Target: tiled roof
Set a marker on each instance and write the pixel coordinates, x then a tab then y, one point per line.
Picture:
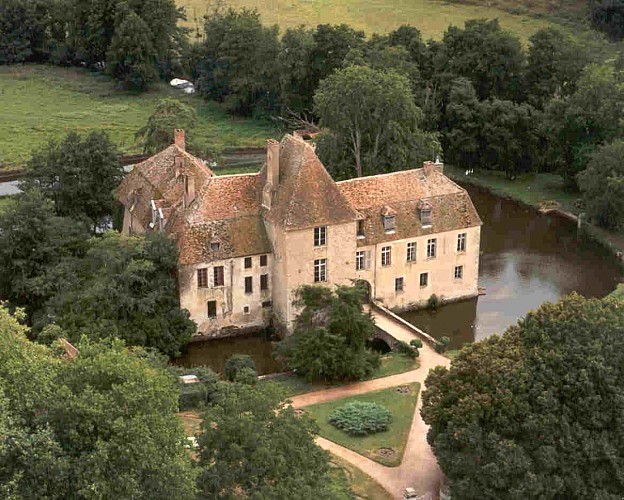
404	193
306	196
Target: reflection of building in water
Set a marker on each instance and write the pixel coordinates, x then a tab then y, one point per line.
247	242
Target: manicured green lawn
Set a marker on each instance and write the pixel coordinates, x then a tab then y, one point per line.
452	353
401	407
391	364
364	486
41	102
372	16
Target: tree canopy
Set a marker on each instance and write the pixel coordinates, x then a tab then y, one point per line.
536	412
169	114
330	335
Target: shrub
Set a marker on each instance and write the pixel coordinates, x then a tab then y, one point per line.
416	343
360	419
246	375
197	394
442	344
236	363
406	349
433	302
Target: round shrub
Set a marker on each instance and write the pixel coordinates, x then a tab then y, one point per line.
416	343
406	349
442	344
235	363
360	419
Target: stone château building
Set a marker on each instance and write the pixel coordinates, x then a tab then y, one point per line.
247	242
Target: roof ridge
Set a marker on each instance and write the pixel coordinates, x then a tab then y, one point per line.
387	174
216	176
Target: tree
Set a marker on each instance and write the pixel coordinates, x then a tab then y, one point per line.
131	57
602	185
487	55
33	240
235	365
23	30
79	175
373	116
330	335
575	126
296	86
102	425
253	445
555	63
536	412
237	63
169	114
124	287
608	16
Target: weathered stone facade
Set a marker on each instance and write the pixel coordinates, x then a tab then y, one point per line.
248	242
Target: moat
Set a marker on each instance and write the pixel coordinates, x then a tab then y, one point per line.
526	258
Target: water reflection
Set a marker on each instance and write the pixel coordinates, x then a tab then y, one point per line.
526	259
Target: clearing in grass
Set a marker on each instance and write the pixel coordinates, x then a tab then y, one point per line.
384	447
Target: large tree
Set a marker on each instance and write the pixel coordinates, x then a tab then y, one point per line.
123	287
608	16
79	174
99	426
331	335
602	185
169	114
24	30
374	120
536	412
253	445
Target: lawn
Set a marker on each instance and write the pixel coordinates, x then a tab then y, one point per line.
372	16
362	485
618	293
401	407
4	202
391	364
41	102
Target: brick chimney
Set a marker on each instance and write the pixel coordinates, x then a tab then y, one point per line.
179	138
272	169
429	167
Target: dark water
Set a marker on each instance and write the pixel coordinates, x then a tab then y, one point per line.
214	353
526	258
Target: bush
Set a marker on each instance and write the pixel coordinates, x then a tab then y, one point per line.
360	419
442	344
406	349
235	364
246	375
433	302
416	343
197	394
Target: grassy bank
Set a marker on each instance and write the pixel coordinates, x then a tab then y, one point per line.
362	485
40	103
391	364
401	407
372	16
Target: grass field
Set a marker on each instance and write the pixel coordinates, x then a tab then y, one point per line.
364	486
391	364
401	407
39	103
372	16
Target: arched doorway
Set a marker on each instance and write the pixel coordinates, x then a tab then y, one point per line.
366	287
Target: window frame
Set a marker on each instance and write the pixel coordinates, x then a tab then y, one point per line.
320	270
411	251
360	229
247	262
461	273
215	246
264	282
399	280
248	285
462	242
426	280
208	303
432	248
218	272
320	236
389	223
264	260
386	256
360	260
202	277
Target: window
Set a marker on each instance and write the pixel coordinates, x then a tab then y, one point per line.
359	261
320	270
214	246
431	248
219	276
389	222
386	256
202	278
263	260
461	242
246	310
248	284
360	229
459	272
424	279
320	236
399	284
248	262
266	303
411	251
212	308
264	282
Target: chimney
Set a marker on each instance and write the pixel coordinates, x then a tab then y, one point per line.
189	190
428	168
179	139
273	148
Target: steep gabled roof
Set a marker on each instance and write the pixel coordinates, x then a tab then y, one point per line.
306	195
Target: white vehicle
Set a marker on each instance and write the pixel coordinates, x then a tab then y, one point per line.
183	85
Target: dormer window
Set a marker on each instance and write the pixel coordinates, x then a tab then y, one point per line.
215	246
388	216
425	210
360	228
